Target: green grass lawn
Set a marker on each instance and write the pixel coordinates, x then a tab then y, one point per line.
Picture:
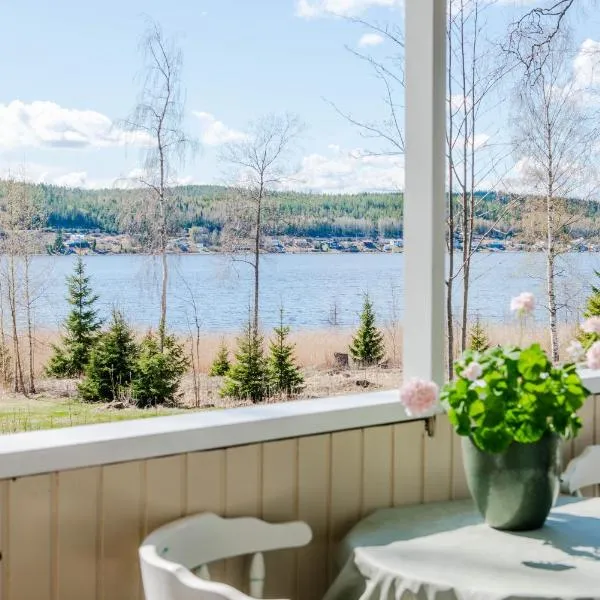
34	414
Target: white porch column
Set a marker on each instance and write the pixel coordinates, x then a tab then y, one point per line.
424	201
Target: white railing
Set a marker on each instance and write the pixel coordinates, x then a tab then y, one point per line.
52	450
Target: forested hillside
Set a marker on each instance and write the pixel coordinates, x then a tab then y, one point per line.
290	213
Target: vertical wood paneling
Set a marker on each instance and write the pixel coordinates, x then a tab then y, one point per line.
122	517
31	552
346	485
242	499
408	463
75	535
77	543
378	473
4	554
165	493
437	484
206	491
279	504
313	507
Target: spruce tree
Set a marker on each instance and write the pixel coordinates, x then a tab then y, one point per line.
592	309
478	338
157	374
81	327
112	363
285	376
221	365
367	347
248	376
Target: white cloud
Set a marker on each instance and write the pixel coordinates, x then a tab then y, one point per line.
348	172
215	132
46	124
586	65
74	179
370	39
310	9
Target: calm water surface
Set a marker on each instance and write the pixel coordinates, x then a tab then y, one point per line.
306	285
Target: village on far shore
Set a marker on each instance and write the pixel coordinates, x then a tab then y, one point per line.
194	241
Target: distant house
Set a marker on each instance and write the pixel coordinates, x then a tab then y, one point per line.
77	241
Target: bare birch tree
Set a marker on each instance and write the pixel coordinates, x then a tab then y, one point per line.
157	122
260	161
474	77
555	137
20	217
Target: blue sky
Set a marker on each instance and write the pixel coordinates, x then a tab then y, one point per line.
71	66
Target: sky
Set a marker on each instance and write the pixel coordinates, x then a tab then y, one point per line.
70	71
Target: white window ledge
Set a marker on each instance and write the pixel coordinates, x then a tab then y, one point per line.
51	450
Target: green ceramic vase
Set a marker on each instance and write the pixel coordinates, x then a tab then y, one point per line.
516	489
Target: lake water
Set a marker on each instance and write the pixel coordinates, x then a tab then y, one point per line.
306	285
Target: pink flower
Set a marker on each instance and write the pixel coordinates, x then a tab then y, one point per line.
523	304
593	356
591	325
472	371
418	396
576	351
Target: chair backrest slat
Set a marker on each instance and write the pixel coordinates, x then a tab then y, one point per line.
170	554
582	471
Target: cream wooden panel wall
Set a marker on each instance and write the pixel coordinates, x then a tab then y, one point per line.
74	535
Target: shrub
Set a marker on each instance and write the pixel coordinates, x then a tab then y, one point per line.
111	365
221	364
367	347
81	328
478	338
284	374
157	374
248	376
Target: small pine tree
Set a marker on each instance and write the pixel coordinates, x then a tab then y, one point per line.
478	338
112	363
58	246
248	377
157	374
285	376
221	364
367	347
592	309
81	327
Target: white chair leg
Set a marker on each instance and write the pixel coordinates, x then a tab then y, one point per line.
204	573
257	575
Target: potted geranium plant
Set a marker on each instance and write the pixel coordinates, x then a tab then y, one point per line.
512	406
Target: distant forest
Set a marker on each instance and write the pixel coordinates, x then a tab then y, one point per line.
290	213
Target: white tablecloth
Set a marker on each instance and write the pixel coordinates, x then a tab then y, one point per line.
443	551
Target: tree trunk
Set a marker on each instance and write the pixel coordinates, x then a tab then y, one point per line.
19	385
30	340
257	237
550	282
162	328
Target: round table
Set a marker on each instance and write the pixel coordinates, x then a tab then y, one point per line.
443	551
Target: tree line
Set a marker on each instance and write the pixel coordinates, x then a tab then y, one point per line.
204	211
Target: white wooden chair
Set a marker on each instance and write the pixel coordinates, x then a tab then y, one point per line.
582	471
171	555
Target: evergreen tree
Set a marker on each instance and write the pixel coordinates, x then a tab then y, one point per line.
157	374
367	347
284	374
478	338
81	327
58	246
112	363
592	309
221	364
248	377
